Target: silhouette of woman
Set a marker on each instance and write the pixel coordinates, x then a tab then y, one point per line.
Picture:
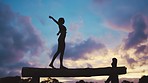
61	41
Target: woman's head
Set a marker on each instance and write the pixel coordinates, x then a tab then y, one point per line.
61	21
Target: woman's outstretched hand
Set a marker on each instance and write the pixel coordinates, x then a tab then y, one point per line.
51	17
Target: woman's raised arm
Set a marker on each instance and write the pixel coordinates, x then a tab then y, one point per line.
53	19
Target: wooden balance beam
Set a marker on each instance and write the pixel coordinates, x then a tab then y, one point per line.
79	72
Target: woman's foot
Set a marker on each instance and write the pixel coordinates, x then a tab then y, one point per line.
62	67
51	65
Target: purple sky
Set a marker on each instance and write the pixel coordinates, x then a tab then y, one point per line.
98	30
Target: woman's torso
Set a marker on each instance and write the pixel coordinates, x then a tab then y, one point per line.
62	32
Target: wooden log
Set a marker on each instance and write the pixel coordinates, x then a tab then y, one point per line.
79	72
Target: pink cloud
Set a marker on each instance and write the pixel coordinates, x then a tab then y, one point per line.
126	28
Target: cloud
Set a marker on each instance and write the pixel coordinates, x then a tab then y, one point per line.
131	61
74	30
142	49
78	51
18	37
137	41
13	69
138	35
118	14
132	17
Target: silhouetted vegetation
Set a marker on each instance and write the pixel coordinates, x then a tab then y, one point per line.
143	79
82	81
125	81
18	79
50	80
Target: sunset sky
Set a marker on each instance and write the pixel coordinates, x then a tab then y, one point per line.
97	31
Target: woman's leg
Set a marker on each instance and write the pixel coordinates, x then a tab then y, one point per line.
54	57
62	54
